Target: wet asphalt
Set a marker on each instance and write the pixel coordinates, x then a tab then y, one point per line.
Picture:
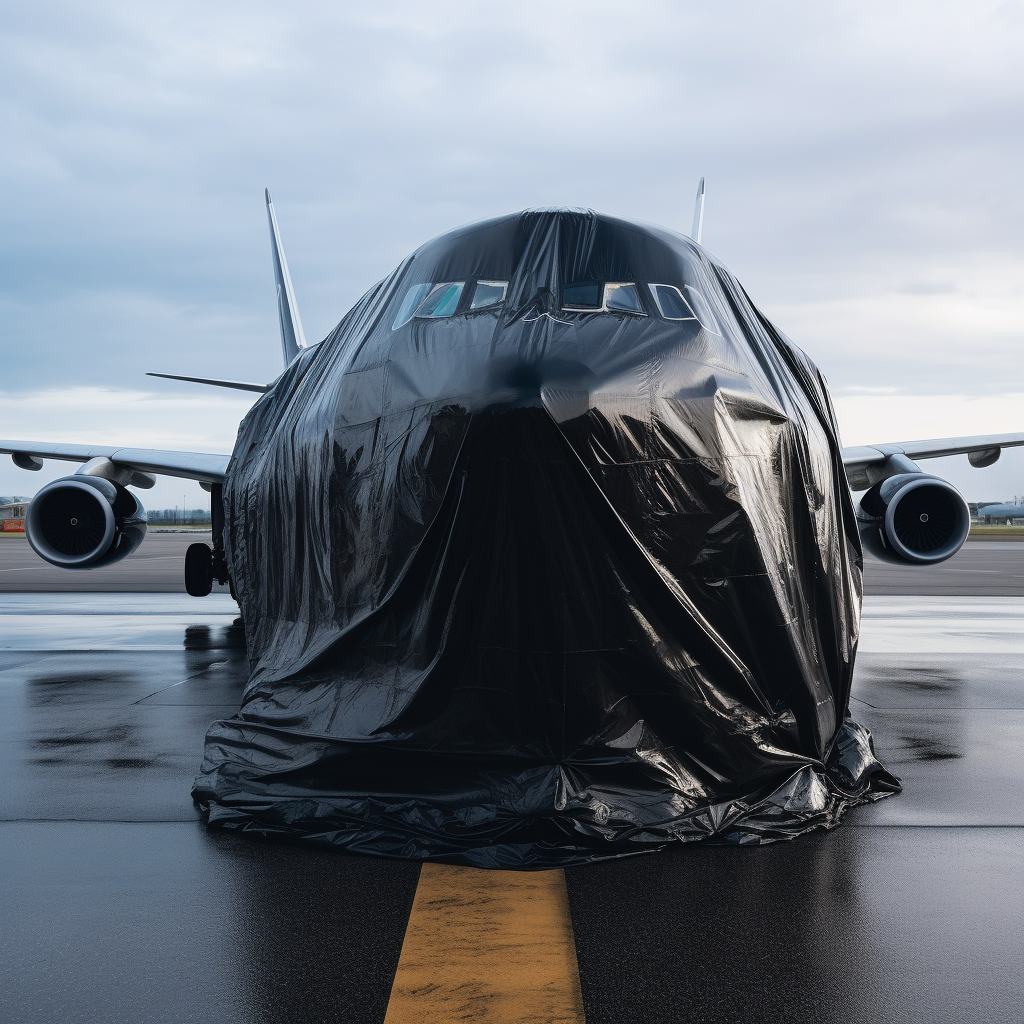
119	906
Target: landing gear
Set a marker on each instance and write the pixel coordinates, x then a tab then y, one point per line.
219	566
204	565
198	570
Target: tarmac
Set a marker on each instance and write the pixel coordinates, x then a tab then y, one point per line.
980	568
119	906
156	567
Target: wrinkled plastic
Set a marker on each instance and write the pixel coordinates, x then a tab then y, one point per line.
526	586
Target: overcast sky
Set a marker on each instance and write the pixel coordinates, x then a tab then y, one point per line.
864	165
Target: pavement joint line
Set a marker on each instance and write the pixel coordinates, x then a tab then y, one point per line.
849	823
935	707
235	705
100	821
180	682
99	649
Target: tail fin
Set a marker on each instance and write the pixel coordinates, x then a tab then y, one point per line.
292	338
698	213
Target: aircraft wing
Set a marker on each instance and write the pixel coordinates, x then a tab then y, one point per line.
208	468
984	447
205	468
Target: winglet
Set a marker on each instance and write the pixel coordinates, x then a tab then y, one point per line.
292	338
698	214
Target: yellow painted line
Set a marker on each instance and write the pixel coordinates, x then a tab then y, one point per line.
487	946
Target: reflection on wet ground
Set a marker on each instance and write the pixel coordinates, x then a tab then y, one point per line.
925	680
105	699
855	925
119	906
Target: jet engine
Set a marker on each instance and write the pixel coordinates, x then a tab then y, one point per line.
913	517
83	522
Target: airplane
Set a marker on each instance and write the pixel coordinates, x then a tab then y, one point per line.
91	519
546	554
1001	510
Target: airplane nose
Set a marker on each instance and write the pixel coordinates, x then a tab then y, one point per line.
562	386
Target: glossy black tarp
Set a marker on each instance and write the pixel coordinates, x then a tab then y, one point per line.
553	563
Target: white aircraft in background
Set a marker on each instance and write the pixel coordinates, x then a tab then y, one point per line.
91	519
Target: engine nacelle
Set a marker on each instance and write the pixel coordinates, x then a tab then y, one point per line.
83	522
913	518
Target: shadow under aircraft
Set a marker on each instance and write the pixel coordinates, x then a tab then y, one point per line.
547	553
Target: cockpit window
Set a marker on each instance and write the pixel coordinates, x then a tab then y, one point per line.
670	302
702	308
598	297
622	296
685	304
488	293
582	295
431	301
413	297
441	300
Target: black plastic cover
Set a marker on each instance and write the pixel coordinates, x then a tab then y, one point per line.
526	585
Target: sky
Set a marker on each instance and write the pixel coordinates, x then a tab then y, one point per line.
864	168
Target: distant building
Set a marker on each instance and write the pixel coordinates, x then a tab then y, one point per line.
12	515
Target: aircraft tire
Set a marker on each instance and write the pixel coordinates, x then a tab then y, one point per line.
198	570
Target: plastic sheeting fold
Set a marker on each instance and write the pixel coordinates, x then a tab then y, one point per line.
527	584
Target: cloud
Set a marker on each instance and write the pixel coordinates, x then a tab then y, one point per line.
879	417
863	167
198	421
